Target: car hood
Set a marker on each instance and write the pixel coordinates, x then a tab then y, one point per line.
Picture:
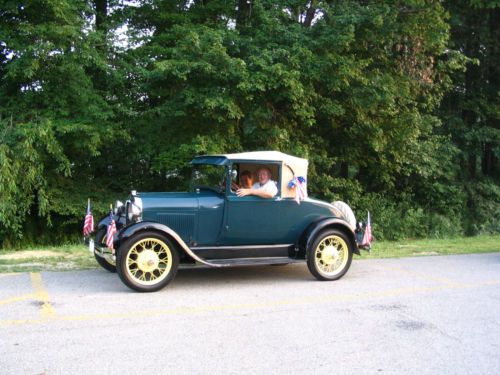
176	201
180	211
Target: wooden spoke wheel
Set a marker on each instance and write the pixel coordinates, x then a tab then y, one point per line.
147	262
330	255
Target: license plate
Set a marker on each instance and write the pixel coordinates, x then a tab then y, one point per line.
91	246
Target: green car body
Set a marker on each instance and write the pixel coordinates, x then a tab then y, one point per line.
213	226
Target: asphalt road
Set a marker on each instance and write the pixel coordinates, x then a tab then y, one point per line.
429	315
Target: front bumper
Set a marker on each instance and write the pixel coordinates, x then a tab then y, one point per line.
103	252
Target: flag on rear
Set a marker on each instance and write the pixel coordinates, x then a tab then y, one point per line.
367	237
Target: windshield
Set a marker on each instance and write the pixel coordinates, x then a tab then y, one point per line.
208	176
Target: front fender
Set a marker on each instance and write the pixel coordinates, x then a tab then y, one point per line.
105	221
141	226
332	222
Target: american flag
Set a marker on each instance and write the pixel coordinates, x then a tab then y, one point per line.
367	237
88	224
111	232
299	184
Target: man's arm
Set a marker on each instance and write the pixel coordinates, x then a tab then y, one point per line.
258	192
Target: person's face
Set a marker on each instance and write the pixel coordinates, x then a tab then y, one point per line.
246	181
263	176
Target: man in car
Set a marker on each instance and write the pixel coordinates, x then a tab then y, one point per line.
265	188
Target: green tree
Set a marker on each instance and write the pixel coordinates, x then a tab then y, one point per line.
471	110
54	120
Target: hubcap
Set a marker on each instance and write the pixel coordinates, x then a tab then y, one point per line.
331	255
149	261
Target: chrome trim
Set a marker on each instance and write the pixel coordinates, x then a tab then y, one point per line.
243	247
186	248
104	254
134	209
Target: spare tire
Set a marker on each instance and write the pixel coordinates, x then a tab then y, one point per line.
345	212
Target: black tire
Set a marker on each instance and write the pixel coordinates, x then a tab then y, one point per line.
101	242
330	255
147	262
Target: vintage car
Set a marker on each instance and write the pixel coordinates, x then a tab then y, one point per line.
212	226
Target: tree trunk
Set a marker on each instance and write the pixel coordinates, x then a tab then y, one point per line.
243	15
490	164
101	26
101	15
344	170
311	12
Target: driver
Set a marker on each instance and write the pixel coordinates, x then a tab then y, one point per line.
265	188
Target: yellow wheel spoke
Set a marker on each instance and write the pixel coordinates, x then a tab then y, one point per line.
152	257
331	255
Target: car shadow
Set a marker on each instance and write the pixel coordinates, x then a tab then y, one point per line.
243	275
102	281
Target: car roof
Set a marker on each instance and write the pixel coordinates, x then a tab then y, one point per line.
292	165
255	156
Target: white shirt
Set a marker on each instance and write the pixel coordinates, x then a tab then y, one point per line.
269	187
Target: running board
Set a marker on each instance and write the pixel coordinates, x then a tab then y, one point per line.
242	262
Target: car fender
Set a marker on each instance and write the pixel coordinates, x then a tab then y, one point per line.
332	222
106	220
141	226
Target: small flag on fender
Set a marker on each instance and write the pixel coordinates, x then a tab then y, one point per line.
367	237
111	232
88	224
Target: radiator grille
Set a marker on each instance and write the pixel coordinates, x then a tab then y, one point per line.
183	224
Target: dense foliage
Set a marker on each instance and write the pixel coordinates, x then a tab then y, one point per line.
395	104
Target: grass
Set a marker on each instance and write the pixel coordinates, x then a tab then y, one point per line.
77	257
50	258
459	245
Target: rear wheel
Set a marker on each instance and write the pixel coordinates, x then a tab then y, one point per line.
330	255
147	262
100	240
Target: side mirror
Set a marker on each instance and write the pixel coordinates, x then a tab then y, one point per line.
234	174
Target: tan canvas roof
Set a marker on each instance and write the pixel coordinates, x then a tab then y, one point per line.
292	165
292	161
295	164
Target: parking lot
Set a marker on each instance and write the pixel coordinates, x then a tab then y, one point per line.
428	315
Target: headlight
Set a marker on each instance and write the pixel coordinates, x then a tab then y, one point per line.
134	209
118	207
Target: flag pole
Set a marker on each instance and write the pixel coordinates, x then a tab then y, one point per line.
370	224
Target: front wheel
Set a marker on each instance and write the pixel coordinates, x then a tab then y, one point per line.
147	262
330	255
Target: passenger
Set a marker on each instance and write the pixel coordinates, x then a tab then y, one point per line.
265	188
246	180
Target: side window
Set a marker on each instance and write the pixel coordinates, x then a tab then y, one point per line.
255	176
242	176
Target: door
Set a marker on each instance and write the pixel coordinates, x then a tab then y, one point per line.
252	220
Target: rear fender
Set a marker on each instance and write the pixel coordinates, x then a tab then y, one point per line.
315	228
